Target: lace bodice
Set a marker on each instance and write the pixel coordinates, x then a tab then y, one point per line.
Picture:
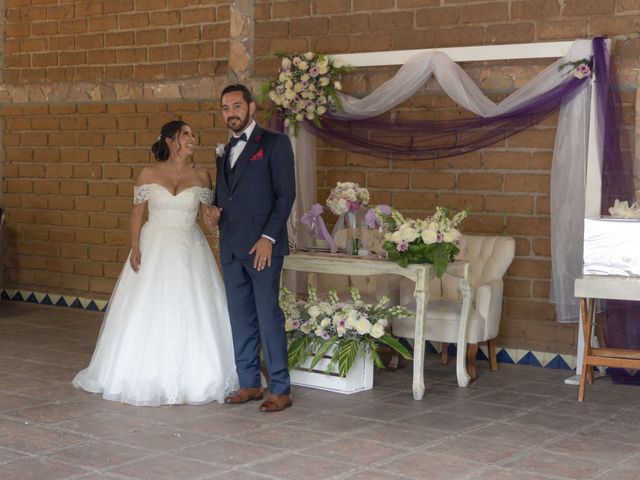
168	209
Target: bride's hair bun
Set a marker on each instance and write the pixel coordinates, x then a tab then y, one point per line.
160	148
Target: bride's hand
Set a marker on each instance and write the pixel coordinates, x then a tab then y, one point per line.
212	216
134	258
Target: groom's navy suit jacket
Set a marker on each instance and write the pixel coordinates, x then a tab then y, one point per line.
257	196
256	199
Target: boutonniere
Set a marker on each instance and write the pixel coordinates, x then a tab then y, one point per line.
258	155
258	138
220	149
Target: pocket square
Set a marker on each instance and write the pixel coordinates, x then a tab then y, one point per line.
257	156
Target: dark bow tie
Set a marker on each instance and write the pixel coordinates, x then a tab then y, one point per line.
235	140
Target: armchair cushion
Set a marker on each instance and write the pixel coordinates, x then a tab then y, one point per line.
442	321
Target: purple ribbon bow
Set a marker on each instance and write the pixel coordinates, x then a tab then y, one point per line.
314	219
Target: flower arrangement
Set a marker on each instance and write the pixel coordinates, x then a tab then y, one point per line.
431	240
580	68
307	87
347	197
316	325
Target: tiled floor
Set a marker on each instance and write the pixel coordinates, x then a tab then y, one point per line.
519	423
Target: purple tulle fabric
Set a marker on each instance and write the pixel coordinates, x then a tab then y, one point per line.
622	328
429	139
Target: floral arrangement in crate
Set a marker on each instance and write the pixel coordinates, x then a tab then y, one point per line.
306	87
318	326
431	240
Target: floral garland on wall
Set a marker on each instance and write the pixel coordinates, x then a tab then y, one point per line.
306	87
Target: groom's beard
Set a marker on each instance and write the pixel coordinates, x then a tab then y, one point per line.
240	126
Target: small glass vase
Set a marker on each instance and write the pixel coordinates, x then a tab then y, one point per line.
353	235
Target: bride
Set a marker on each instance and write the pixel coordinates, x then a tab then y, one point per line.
166	336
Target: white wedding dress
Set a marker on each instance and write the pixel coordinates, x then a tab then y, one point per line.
166	336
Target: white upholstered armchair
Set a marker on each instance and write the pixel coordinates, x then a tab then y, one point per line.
489	258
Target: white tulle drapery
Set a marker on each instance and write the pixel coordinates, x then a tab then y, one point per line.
569	158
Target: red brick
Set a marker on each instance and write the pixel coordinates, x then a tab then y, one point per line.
309	26
414	200
391	21
588	7
528	226
372	4
433	180
509	203
526	183
293	8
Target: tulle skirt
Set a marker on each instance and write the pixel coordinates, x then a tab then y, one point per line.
166	336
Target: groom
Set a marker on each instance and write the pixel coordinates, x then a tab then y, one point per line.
255	190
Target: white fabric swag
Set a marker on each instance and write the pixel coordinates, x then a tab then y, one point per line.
568	173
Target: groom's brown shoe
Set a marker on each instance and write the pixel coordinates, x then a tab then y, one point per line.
275	403
244	395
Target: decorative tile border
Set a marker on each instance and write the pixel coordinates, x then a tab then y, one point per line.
52	299
515	356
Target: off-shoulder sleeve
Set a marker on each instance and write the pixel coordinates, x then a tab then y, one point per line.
141	194
206	196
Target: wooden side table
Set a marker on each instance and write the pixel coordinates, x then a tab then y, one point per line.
420	275
588	288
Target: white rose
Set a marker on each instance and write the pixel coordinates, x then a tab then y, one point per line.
321	110
318	332
299	117
303	65
297	87
322	68
308	55
341	331
338	63
305	78
289	94
343	205
377	330
452	235
288	84
325	322
286	63
306	328
395	237
429	236
337	85
363	326
324	81
407	233
313	311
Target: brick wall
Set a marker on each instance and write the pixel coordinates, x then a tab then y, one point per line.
62	41
69	174
506	186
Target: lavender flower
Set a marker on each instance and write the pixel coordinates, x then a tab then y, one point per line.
403	246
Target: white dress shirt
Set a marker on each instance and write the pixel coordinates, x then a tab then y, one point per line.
235	152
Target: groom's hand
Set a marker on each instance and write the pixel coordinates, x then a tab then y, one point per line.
262	249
